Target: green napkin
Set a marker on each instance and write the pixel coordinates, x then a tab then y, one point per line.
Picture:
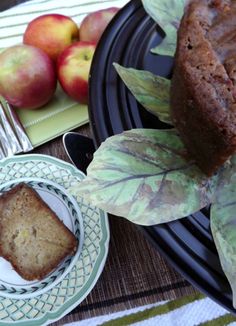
58	116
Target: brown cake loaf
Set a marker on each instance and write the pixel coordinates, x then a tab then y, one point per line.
203	93
32	238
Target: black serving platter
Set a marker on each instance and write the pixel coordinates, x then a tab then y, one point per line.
186	243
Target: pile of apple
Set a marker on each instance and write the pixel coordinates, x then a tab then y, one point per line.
54	49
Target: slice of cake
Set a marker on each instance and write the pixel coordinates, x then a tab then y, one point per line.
32	238
203	92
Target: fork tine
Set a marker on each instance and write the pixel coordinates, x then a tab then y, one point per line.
2	155
13	142
19	129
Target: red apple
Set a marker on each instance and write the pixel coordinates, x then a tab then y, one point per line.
94	24
73	68
52	33
27	76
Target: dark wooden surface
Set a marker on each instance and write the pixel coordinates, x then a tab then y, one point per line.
5	4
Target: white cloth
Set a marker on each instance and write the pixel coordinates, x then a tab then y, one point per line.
190	314
13	21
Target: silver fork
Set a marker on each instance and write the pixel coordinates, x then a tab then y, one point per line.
13	138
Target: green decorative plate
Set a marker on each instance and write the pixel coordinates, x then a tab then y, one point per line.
41	302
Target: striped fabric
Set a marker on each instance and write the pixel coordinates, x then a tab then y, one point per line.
13	22
195	310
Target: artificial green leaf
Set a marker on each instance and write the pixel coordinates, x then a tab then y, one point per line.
152	91
143	176
167	14
167	46
223	222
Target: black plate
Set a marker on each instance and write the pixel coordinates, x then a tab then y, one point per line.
187	243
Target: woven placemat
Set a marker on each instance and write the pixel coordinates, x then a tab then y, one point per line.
135	274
